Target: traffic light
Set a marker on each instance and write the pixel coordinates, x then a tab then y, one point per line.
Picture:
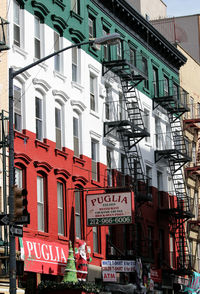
20	202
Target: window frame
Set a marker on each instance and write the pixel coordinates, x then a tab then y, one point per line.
18	25
147	122
58	62
97	241
145	69
61	217
93	93
37	38
58	126
91	26
79	213
39	120
18	110
75	6
95	159
44	203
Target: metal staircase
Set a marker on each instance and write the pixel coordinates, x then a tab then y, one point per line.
177	156
130	129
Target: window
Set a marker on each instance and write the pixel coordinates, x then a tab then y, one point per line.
171	248
39	118
75	6
155	82
147	123
19	177
198	256
158	135
192	107
16	24
105	46
150	242
123	172
175	91
41	204
60	199
109	167
37	38
108	103
76	135
58	127
78	214
94	157
17	108
149	175
93	102
166	86
96	240
194	152
145	71
92	29
75	53
122	113
133	57
119	50
57	47
160	188
162	244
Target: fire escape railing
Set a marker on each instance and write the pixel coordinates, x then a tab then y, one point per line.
128	66
174	100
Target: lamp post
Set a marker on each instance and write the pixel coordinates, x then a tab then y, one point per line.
111	39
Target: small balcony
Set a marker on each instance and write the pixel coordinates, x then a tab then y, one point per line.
191	119
167	148
125	62
172	97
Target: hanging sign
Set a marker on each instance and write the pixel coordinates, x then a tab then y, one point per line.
109	209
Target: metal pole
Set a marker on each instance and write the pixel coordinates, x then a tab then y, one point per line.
12	262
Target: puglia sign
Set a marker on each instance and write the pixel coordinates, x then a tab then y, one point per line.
109	209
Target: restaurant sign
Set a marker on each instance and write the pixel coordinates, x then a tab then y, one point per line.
109	209
43	257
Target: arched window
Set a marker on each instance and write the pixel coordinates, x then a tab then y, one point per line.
42	205
76	134
39	116
59	125
61	207
18	92
79	215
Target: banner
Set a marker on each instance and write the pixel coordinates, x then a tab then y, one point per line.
43	257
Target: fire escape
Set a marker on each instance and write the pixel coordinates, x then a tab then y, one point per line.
174	101
129	129
127	126
191	124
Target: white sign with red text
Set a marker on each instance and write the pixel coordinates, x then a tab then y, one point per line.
109	276
44	257
109	209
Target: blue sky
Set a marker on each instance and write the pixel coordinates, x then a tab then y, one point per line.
182	7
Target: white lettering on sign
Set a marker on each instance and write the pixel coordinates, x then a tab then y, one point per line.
109	276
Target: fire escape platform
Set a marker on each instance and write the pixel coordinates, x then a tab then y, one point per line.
191	124
172	154
178	213
127	128
195	170
124	69
171	104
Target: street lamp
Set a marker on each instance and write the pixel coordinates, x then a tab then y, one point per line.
111	39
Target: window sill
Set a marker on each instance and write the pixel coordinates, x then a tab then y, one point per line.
94	113
41	144
93	51
62	153
20	51
59	75
78	160
97	255
63	238
21	136
96	183
148	144
77	86
146	90
45	234
59	3
75	15
42	65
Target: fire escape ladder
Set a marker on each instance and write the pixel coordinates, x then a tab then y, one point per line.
130	128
